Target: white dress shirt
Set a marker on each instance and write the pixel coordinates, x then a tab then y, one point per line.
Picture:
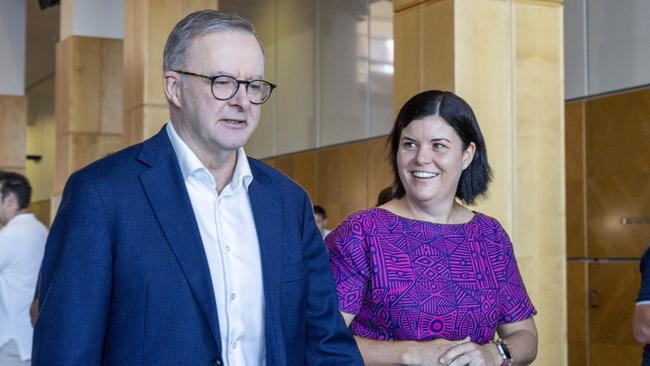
231	246
22	244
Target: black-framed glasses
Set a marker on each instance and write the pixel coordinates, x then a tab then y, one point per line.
225	87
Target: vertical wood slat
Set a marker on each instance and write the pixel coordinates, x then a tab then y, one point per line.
13	133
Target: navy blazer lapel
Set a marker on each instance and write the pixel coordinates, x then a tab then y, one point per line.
267	212
164	186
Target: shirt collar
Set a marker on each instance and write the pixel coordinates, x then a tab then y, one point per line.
190	163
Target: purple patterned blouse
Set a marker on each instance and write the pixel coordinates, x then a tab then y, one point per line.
405	279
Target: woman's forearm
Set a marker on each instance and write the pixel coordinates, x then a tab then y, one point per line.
523	347
380	353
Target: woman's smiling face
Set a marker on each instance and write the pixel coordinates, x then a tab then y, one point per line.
430	160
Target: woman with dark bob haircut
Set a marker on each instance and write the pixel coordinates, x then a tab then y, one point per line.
421	279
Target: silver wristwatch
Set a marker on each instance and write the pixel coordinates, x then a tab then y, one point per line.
502	347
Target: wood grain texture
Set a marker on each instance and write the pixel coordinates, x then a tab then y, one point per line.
575	180
13	132
342	180
89	85
302	169
438	45
616	286
618	172
379	168
41	209
577	313
407	28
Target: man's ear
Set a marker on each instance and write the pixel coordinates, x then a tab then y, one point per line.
172	87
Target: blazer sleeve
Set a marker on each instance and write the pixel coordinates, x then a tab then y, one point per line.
75	280
328	341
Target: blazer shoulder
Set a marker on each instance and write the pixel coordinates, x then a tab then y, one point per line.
113	164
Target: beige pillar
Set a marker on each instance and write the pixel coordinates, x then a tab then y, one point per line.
146	27
88	87
88	103
13	133
505	58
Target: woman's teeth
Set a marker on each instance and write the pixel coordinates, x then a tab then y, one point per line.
427	175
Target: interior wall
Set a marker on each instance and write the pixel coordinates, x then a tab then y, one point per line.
607	198
41	137
343	179
333	64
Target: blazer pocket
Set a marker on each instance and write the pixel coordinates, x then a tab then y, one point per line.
293	272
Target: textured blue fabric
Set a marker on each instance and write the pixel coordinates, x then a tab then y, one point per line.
125	280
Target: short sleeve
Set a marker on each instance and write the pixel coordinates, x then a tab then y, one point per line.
514	303
644	291
349	257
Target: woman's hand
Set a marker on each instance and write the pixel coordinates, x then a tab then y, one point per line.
472	354
428	353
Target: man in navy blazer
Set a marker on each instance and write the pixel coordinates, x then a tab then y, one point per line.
183	251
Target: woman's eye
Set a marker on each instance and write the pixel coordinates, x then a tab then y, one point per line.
439	146
409	145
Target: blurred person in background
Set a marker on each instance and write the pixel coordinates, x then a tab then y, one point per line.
22	243
320	216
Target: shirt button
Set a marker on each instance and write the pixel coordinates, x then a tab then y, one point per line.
234	345
232	296
227	248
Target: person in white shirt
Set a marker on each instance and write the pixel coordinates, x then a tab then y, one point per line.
320	216
22	243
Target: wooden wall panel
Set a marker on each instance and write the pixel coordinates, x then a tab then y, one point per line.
618	172
615	286
88	91
407	25
379	169
302	169
438	45
41	209
342	180
13	133
578	313
575	183
402	4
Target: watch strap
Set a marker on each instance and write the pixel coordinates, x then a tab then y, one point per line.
504	351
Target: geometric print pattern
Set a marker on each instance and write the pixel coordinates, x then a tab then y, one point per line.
406	279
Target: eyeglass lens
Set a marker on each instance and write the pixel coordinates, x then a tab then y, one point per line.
225	87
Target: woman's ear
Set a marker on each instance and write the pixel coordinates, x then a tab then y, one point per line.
172	87
468	155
